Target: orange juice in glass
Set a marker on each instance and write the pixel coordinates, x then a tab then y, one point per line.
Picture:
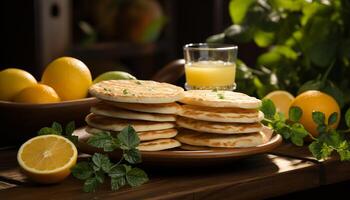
210	66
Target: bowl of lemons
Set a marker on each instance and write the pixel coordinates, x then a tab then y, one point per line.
26	104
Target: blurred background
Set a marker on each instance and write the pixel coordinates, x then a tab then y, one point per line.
138	36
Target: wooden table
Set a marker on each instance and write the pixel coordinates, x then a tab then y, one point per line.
285	170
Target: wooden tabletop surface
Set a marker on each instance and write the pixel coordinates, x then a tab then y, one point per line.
287	169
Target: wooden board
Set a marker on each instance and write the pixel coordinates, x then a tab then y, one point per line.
260	176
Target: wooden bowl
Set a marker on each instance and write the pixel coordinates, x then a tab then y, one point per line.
20	121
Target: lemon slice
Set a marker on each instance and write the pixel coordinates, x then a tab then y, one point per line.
282	100
47	158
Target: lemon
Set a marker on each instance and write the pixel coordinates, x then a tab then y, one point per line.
69	77
311	101
114	75
47	158
12	81
282	100
38	93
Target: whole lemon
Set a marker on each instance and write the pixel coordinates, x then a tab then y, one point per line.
69	77
38	93
12	81
114	75
311	101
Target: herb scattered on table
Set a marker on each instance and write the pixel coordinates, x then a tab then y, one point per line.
57	129
95	171
220	96
321	147
125	92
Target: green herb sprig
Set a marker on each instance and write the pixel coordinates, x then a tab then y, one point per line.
321	147
94	171
57	129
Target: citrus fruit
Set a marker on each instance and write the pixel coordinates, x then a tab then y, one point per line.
38	93
311	101
69	77
114	75
282	100
47	158
13	81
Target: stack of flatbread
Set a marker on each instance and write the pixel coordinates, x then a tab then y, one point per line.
219	119
148	106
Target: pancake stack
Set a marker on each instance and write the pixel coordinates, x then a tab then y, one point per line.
148	106
219	119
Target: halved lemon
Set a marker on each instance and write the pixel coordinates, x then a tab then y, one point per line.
282	100
47	158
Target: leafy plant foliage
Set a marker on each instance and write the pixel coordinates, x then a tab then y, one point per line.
302	38
100	166
328	141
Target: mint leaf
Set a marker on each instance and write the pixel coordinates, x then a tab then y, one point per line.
136	177
295	114
344	155
268	108
90	185
128	138
73	138
57	127
103	140
321	128
318	117
70	127
347	118
133	156
82	171
315	148
48	131
285	132
100	176
117	182
297	140
298	133
101	162
117	171
332	139
326	151
333	118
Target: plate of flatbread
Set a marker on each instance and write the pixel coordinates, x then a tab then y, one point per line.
186	154
177	126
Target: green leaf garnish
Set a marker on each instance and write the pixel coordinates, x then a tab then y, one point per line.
221	96
295	114
128	138
332	118
99	167
268	108
82	171
136	177
318	117
57	127
347	118
125	92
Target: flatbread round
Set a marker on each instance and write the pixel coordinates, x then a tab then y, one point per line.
158	145
217	140
115	112
114	124
161	108
218	127
212	98
144	135
238	115
136	91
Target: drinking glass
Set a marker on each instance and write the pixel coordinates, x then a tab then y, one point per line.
210	66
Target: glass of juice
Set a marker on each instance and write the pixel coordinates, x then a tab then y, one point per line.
210	66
